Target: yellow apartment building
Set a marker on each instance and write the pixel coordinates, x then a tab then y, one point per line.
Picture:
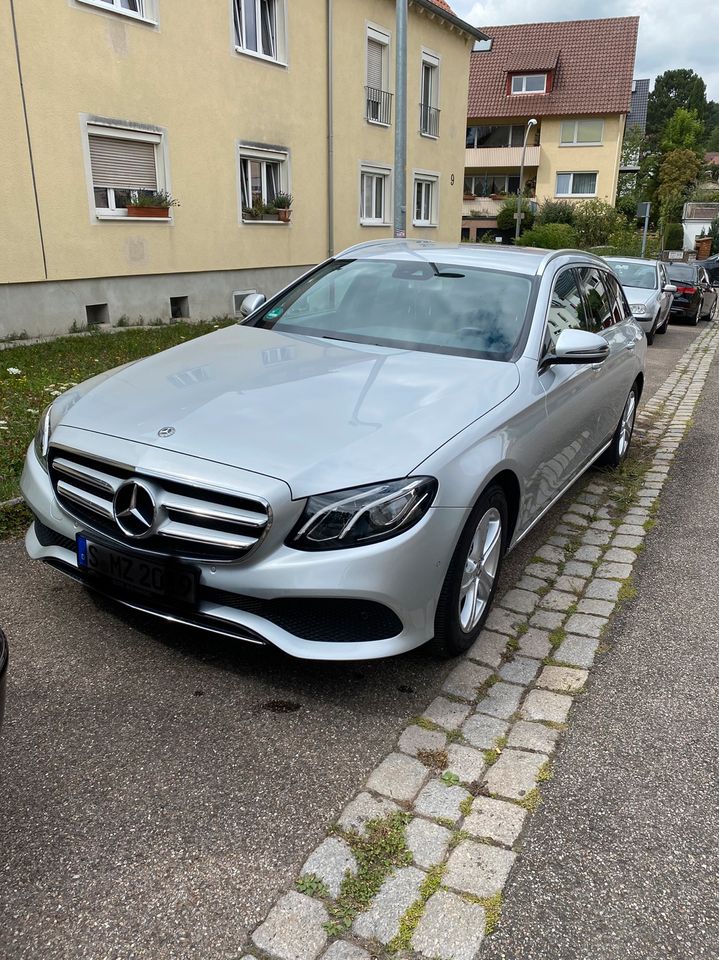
224	106
575	79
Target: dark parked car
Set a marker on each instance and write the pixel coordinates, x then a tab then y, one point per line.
3	672
696	298
711	265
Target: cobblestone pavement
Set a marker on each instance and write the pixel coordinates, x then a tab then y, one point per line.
417	862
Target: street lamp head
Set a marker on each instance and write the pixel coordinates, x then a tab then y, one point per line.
532	122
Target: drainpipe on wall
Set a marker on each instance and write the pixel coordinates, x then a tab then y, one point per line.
330	137
400	125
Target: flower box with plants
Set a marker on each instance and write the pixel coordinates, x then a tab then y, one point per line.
278	210
156	204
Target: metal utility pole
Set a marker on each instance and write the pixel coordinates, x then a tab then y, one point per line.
400	125
643	211
518	215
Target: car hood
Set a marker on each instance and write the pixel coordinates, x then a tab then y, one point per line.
640	294
319	414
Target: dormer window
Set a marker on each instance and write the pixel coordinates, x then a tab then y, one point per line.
529	83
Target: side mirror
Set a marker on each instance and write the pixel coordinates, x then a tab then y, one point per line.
669	288
252	302
578	346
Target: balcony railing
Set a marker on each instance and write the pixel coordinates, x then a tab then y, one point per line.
428	120
379	106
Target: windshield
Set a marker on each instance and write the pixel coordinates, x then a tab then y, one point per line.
409	304
678	271
632	274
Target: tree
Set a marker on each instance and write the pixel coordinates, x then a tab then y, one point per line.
683	131
674	89
677	175
594	222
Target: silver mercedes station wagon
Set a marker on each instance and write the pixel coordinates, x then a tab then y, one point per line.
342	472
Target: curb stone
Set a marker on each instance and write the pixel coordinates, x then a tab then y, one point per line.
470	843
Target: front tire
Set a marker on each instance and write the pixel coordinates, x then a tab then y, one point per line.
618	449
471	580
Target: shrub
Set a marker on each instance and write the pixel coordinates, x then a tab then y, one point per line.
553	236
674	236
555	211
595	221
505	217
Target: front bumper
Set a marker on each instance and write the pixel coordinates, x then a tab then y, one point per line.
403	576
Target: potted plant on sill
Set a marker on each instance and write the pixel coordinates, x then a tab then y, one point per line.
156	204
282	205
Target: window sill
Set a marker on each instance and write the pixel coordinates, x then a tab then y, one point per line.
575	196
424	223
260	56
378	123
105	217
375	223
594	143
271	223
428	136
126	14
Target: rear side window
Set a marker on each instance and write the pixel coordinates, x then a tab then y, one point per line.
566	309
621	307
599	301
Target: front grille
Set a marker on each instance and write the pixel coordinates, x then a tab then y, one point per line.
320	619
192	522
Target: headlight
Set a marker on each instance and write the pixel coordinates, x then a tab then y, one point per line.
639	309
348	518
49	419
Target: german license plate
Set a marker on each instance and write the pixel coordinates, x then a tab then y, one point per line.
170	581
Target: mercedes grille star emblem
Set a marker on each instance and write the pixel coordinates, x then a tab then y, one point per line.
135	509
165	431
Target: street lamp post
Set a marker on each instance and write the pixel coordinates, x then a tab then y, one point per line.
530	123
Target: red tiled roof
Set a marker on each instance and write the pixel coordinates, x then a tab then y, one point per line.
593	74
445	6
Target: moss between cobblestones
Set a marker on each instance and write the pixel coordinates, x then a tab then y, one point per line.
465	807
556	637
545	772
531	801
378	853
493	753
434	759
425	724
408	923
627	591
492	910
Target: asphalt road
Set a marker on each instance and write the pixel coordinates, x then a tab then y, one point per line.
154	802
622	858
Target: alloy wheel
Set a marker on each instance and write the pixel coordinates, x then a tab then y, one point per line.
626	425
480	569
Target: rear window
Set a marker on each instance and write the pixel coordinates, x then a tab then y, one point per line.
410	304
680	271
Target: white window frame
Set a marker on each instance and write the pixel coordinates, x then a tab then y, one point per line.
574	142
100	128
280	38
385	172
432	60
429	178
262	155
524	77
374	32
148	9
573	174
